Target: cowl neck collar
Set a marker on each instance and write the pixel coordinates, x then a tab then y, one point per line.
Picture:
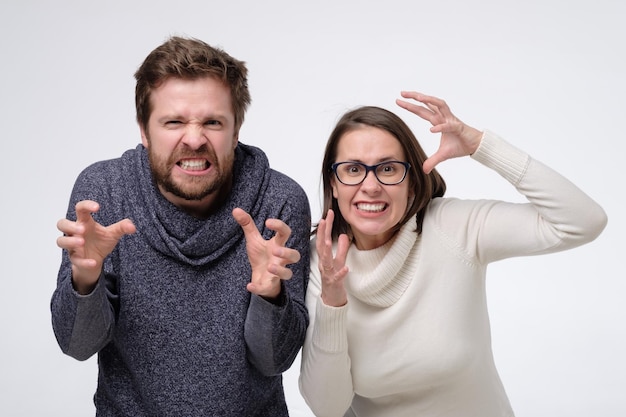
179	235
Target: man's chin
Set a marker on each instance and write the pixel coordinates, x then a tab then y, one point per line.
198	192
192	195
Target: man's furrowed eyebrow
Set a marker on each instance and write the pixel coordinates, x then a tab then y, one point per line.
181	118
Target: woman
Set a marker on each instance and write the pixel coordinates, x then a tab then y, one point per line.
396	298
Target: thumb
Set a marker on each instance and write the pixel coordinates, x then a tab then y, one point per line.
123	227
432	162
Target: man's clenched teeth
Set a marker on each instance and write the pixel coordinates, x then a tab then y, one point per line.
371	207
193	164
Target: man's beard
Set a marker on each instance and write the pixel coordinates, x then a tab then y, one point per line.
194	188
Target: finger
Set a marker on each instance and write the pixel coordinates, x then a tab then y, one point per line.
414	95
435	109
246	223
70	228
343	244
323	244
281	272
287	255
70	242
439	128
283	231
423	98
339	274
328	227
421	111
330	259
437	106
84	209
271	290
84	263
254	288
320	235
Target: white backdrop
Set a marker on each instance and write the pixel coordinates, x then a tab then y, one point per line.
548	75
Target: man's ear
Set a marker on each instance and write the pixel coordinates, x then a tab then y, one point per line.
235	139
144	137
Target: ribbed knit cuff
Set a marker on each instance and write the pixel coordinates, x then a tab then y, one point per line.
504	158
98	289
330	332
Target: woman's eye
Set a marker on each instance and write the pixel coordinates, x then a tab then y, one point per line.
354	169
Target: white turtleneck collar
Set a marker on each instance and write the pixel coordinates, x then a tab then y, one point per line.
380	276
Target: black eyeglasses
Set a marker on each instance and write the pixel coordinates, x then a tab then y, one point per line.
387	173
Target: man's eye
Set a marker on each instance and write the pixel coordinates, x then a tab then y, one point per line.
173	123
212	123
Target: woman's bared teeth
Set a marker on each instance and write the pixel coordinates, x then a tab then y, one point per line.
371	207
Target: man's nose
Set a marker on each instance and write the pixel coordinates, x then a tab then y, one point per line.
195	136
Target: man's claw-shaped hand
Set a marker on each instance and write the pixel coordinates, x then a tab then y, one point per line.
88	243
457	138
268	258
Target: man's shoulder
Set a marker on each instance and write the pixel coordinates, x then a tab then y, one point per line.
281	182
279	176
286	195
101	177
111	166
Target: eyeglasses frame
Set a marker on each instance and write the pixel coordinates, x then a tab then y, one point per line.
369	168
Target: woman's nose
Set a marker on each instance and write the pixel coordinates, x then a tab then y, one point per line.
370	183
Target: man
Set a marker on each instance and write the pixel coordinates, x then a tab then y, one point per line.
185	261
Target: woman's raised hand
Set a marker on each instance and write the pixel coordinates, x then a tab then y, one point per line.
457	138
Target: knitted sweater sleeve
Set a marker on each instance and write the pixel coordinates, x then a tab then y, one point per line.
325	380
557	215
84	324
274	332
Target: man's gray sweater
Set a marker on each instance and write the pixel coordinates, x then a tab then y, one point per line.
175	330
